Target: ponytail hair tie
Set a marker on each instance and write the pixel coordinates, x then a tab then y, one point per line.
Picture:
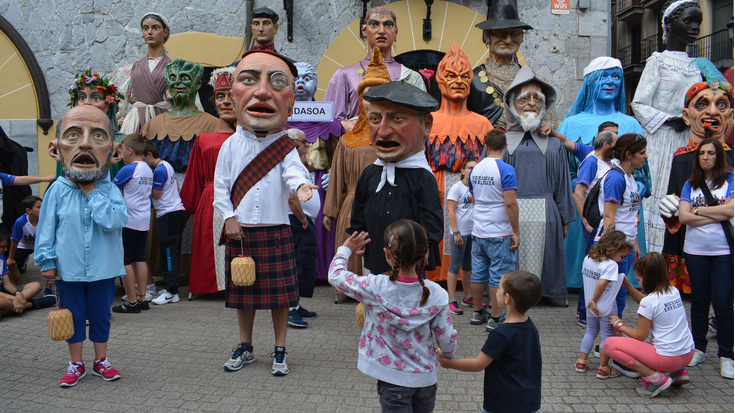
391	242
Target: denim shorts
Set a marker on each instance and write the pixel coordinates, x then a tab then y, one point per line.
491	259
395	398
461	257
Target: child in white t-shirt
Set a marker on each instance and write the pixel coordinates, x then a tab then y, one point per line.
602	282
459	212
661	314
135	180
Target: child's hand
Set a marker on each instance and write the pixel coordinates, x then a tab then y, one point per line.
626	283
593	306
357	242
441	358
546	130
11	262
613	319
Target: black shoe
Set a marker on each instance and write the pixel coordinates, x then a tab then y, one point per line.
144	305
306	314
295	320
44	302
126	307
624	370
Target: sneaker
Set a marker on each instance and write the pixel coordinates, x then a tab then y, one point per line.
680	377
581	323
470	302
165	297
726	367
606	372
580	366
148	296
652	389
126	307
144	305
44	302
454	308
240	356
104	369
73	374
479	317
280	364
306	314
712	326
698	358
624	370
48	291
295	320
596	353
492	324
151	292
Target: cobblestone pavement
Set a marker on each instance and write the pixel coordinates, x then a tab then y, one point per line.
171	357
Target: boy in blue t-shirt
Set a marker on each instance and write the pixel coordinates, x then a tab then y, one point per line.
18	298
9	180
23	238
511	356
135	181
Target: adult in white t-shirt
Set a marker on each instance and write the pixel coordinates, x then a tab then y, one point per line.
707	253
661	313
619	199
459	211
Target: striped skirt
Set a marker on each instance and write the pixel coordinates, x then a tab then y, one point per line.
272	250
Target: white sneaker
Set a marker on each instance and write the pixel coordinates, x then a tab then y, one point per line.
152	292
148	296
165	297
698	358
726	368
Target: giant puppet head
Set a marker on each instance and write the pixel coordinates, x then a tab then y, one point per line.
264	26
399	120
263	91
84	144
380	29
184	79
708	105
528	101
603	91
92	89
453	75
306	82
221	82
503	31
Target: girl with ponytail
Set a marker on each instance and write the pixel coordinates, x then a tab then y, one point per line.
404	315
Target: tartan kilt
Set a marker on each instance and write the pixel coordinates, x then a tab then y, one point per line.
276	284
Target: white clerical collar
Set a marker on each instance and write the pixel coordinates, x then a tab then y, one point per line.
514	138
415	161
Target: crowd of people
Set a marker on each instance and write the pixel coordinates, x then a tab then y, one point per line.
146	177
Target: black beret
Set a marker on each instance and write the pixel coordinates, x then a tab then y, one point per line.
264	12
402	94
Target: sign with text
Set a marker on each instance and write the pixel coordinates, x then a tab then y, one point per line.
559	6
312	112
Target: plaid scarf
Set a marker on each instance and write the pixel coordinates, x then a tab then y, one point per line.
259	167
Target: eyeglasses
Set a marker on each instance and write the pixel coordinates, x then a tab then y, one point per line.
278	80
638	137
469	167
303	142
4	247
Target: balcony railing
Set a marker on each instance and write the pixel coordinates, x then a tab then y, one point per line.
624	5
638	53
716	46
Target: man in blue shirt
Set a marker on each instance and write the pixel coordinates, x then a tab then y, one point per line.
79	234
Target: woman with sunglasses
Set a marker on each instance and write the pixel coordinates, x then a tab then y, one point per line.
619	199
706	208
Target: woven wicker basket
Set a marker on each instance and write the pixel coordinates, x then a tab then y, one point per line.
242	270
60	324
360	315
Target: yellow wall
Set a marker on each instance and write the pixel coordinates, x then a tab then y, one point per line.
17	92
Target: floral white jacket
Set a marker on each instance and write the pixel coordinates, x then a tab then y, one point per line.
397	342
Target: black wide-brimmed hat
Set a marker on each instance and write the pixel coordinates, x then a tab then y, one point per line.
503	15
402	94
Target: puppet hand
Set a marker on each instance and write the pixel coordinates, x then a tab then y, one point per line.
641	189
669	206
327	221
325	181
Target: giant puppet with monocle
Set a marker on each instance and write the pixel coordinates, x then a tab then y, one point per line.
457	136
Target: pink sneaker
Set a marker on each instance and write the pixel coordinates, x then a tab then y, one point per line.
104	369
606	372
471	303
455	309
680	377
73	374
580	366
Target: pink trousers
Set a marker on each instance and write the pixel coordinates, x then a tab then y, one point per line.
627	351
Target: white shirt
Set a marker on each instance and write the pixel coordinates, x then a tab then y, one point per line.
136	181
266	203
670	334
707	239
312	206
489	180
614	188
164	179
592	273
460	193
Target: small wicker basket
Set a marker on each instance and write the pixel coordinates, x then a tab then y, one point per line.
60	322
